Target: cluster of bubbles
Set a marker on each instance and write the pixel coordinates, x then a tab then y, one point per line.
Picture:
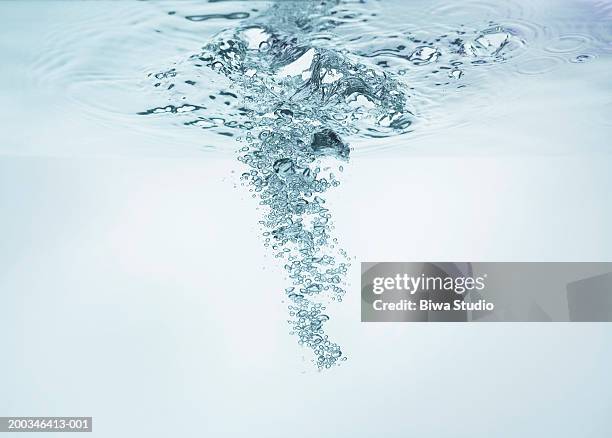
296	103
295	99
302	101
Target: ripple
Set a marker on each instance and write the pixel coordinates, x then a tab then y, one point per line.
467	11
568	43
540	65
416	44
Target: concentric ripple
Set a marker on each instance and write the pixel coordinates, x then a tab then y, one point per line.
96	60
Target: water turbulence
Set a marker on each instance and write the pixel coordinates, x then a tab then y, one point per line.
302	100
295	103
293	96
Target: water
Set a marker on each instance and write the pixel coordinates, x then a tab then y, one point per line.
98	57
298	88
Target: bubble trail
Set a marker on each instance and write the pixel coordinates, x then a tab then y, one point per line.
302	99
295	98
297	102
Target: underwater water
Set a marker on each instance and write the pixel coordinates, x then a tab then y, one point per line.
296	89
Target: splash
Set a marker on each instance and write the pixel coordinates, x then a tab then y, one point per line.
302	101
295	99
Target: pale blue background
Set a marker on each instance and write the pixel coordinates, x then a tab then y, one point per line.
135	288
